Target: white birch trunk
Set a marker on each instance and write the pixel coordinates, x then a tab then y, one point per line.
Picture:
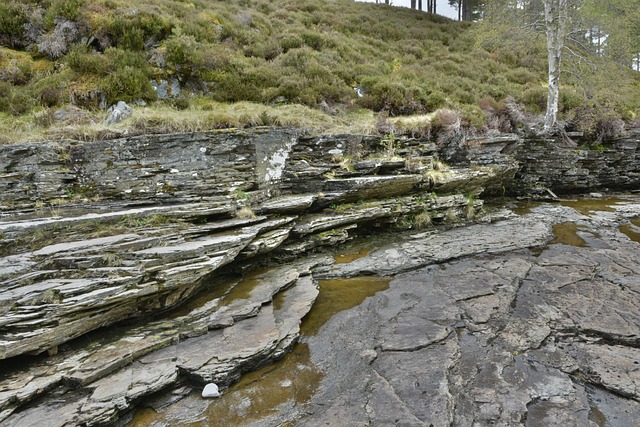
555	14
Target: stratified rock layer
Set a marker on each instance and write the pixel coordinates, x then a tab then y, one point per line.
94	234
129	230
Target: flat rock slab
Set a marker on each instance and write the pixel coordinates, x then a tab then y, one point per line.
505	236
501	336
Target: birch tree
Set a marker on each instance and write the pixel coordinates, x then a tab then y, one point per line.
557	14
555	19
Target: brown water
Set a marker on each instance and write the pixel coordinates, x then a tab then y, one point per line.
525	207
352	256
567	234
291	381
589	206
632	230
337	295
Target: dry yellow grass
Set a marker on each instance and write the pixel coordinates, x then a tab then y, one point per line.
203	115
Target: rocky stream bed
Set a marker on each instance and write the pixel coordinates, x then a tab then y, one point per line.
327	280
532	320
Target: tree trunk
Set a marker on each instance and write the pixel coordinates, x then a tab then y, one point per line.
419	4
466	11
431	6
555	15
413	4
459	10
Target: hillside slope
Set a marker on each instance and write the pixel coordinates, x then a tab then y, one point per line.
186	61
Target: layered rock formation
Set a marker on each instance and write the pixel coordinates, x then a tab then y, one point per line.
531	322
573	170
104	242
97	233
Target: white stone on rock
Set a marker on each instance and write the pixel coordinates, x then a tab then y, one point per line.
118	112
210	390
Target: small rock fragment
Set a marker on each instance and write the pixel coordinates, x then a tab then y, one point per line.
210	390
118	113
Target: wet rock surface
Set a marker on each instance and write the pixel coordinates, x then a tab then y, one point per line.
98	298
544	337
129	276
528	331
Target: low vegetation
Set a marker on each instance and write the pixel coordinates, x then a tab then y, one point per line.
318	64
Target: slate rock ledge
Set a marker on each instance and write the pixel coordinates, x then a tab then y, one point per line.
131	229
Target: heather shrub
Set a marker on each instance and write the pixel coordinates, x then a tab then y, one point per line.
448	126
180	49
504	116
68	10
13	17
313	39
396	98
127	84
290	41
15	100
535	99
84	60
130	31
600	124
280	51
15	70
49	91
521	76
434	100
473	118
267	49
206	27
570	99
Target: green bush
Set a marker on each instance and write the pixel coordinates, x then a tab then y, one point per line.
313	51
395	98
473	117
49	91
267	49
290	41
131	32
15	100
127	84
13	16
5	94
570	99
16	72
521	76
180	49
83	60
434	101
313	39
66	9
86	61
534	99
